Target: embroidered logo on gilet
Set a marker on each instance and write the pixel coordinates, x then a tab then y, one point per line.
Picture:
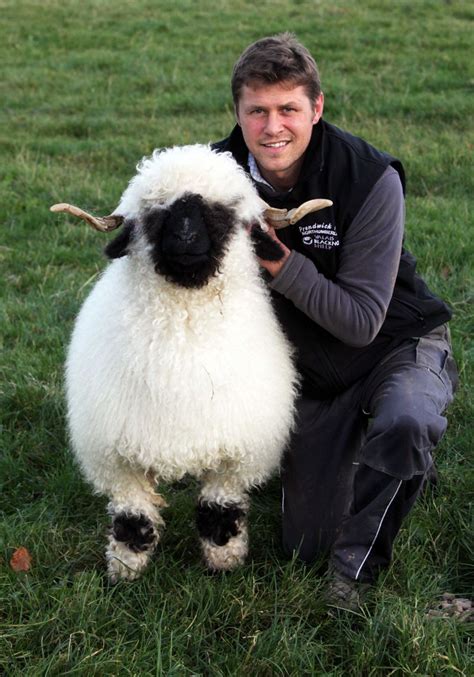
319	235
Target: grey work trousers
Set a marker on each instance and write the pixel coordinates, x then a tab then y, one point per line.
357	463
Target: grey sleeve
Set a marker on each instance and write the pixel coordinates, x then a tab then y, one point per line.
354	305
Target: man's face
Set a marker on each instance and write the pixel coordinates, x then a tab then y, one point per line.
277	122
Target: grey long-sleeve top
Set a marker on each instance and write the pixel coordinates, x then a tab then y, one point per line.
353	306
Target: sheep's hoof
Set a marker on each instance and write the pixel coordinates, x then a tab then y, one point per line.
123	563
226	557
132	540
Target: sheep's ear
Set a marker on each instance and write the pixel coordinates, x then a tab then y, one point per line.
118	247
266	247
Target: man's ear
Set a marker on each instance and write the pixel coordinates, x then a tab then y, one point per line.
318	109
236	113
118	247
266	248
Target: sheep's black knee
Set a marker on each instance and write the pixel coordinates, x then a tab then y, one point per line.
218	523
136	531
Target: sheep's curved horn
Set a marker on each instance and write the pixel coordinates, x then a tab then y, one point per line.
277	217
295	215
103	223
281	218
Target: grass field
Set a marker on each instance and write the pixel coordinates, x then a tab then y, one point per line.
87	89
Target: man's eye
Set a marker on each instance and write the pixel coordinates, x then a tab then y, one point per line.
256	111
289	109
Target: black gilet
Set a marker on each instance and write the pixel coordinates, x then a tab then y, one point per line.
344	169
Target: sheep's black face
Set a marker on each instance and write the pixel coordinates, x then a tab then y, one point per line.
189	239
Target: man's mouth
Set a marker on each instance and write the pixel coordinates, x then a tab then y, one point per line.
276	144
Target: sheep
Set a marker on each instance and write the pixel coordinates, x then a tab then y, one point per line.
177	364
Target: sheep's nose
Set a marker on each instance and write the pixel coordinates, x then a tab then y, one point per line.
186	233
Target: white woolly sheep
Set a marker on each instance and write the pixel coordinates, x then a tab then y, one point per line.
177	363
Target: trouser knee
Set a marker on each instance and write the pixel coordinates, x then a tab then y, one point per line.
411	431
401	446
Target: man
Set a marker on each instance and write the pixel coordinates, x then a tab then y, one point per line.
372	344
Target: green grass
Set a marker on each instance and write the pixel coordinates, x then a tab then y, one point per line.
87	89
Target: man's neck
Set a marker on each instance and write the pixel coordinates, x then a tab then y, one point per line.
257	176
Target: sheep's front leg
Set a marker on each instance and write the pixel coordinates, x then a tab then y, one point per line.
134	533
222	522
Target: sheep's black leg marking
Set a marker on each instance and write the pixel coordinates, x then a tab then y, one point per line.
223	533
135	531
218	523
132	539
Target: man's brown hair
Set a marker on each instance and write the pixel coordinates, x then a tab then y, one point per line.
279	58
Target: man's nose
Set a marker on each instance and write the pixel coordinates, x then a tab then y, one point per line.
273	124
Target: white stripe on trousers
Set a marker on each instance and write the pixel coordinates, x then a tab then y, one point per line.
379	527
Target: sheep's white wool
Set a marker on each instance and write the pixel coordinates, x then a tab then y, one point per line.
164	380
179	380
168	174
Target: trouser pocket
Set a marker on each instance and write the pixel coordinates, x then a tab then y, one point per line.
434	353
